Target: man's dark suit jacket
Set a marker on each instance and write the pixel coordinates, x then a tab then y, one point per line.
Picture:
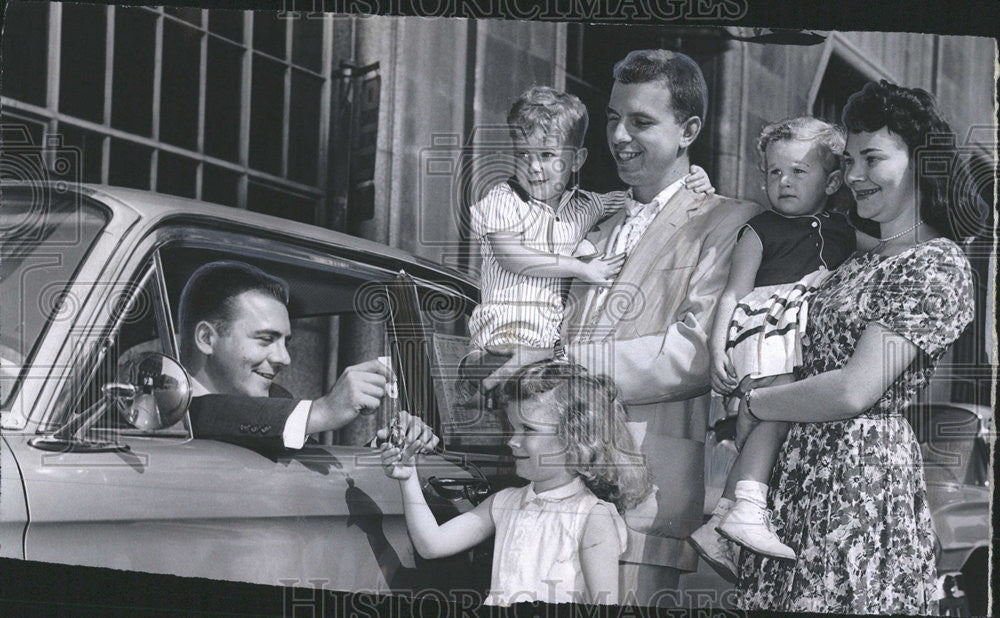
239	416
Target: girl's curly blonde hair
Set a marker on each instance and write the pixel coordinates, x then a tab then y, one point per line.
599	445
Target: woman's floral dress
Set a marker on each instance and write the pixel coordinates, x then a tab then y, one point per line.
849	496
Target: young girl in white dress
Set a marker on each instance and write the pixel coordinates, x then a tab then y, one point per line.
559	538
781	255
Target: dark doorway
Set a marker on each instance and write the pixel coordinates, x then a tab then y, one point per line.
591	53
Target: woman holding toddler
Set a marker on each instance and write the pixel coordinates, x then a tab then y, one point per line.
848	491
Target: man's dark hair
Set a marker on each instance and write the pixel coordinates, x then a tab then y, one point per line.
208	295
681	75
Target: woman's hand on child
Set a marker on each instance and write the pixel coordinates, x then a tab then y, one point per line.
744	421
698	181
601	270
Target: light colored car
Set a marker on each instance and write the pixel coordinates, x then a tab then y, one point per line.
955	444
91	277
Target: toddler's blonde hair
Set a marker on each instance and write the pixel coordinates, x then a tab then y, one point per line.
804	129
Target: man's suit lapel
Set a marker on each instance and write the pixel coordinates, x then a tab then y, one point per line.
602	233
646	254
583	294
660	232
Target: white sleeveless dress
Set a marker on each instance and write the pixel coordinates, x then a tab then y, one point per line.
536	554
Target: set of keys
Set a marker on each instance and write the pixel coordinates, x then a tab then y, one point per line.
397	433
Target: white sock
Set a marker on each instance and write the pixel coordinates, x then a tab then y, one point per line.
753	492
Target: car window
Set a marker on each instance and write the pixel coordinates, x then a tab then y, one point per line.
44	237
338	311
139	314
331	327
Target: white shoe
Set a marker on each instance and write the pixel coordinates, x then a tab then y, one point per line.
750	526
718	552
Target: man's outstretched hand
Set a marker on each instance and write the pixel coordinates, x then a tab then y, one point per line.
359	389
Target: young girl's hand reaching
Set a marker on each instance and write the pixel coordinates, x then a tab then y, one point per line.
430	539
398	464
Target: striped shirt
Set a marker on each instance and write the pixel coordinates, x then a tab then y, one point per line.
522	309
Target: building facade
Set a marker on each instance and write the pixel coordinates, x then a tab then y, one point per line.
388	127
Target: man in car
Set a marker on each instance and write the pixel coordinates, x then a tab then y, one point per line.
234	328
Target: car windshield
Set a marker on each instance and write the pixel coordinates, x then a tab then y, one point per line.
44	236
947	461
947	436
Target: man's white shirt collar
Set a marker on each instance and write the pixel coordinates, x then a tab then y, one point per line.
634	208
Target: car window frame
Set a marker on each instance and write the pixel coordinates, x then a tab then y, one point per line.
110	223
238	241
31	408
150	271
187	231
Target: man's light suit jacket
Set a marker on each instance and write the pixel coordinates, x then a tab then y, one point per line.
652	339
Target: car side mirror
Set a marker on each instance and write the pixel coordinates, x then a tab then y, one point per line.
154	389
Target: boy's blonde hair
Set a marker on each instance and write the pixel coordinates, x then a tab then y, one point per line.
599	446
553	113
804	129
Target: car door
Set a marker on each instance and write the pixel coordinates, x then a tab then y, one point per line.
165	502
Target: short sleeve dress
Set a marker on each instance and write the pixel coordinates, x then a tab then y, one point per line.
849	496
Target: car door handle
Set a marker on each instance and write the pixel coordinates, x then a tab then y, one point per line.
473	490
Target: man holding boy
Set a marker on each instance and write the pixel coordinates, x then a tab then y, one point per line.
530	230
649	330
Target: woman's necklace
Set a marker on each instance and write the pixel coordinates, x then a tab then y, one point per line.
884	241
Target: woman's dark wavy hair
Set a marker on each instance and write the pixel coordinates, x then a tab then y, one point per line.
948	201
599	446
